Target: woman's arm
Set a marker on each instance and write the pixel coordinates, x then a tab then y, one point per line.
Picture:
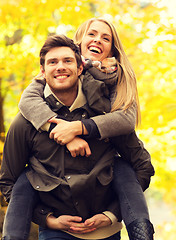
103	126
100	91
34	109
116	123
32	105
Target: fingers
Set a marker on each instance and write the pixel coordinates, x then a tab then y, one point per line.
54	120
100	220
82	152
74	219
57	138
90	221
78	146
87	151
82	228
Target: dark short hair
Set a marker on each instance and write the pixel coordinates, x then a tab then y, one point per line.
59	41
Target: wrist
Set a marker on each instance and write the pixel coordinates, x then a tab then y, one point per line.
52	222
49	220
83	129
79	128
111	216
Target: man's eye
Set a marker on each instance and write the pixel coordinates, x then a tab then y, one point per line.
52	62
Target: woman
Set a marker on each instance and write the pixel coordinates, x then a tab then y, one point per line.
98	40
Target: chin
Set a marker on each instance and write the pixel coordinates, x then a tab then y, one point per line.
95	58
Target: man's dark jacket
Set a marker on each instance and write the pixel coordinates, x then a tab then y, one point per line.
74	186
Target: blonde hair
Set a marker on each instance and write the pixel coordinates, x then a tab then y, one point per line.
127	93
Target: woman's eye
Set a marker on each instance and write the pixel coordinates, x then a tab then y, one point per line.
107	39
91	34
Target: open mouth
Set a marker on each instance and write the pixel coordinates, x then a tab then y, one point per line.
60	76
95	50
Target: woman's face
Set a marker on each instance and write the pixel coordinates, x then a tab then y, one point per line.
97	42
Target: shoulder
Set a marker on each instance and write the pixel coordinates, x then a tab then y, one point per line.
20	125
19	120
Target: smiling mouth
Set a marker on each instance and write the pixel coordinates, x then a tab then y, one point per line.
95	50
61	76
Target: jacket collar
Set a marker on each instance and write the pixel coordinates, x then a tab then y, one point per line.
79	101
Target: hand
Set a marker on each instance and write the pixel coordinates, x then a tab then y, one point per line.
64	222
93	223
99	220
78	146
65	131
67	222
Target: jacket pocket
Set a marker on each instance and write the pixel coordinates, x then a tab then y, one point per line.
105	176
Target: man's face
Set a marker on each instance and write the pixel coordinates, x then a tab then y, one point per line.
61	71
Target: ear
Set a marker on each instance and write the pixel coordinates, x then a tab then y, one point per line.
80	69
42	70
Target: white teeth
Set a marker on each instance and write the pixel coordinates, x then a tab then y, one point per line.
61	76
94	49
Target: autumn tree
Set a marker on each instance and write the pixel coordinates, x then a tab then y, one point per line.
148	35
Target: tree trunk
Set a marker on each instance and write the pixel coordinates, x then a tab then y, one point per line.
2	127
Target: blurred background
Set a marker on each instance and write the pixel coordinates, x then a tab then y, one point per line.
147	31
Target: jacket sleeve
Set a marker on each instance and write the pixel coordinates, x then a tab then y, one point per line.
32	105
116	123
15	155
40	214
100	89
132	150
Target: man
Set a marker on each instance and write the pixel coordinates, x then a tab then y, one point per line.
71	189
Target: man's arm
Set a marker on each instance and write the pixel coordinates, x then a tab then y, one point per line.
74	224
43	216
132	150
15	155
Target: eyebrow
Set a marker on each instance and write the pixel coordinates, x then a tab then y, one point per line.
51	59
55	58
69	58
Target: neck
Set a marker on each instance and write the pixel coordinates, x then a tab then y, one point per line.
67	98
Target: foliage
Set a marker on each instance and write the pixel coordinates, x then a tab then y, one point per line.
149	39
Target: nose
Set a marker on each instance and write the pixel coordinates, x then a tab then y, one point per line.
60	66
97	39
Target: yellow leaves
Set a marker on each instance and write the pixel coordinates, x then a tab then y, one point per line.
149	39
166	230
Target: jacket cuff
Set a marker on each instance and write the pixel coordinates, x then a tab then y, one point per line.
45	127
111	216
92	129
40	214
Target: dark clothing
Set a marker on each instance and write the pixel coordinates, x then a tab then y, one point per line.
81	180
48	234
30	143
65	184
130	194
131	197
132	150
19	213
